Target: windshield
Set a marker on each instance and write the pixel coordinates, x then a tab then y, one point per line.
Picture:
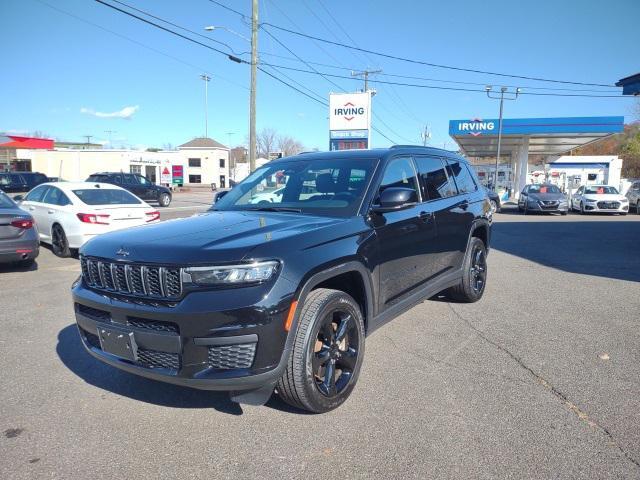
6	202
544	189
599	190
106	196
333	186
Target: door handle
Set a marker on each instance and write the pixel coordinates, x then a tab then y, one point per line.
32	208
50	211
425	216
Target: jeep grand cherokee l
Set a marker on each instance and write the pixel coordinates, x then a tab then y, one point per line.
249	298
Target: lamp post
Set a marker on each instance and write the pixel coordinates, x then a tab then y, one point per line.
206	79
502	98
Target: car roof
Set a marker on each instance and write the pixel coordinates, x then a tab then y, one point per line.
69	186
371	154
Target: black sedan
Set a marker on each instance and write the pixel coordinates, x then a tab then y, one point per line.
19	240
494	200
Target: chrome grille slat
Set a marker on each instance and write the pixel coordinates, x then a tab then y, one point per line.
140	280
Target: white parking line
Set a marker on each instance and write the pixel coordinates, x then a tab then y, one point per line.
195	207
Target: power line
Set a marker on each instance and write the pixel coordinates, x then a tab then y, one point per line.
173	32
129	39
429	64
294	88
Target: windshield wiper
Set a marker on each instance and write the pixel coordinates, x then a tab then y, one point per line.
275	209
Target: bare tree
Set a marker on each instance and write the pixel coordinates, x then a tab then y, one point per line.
289	146
266	141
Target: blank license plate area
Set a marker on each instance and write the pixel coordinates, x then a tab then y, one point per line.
120	344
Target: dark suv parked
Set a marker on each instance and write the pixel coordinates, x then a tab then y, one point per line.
250	297
140	186
14	182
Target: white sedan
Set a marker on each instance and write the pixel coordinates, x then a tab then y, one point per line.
599	198
71	213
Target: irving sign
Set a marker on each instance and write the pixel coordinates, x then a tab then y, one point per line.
350	111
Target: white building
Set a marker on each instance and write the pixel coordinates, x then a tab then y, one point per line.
586	170
199	161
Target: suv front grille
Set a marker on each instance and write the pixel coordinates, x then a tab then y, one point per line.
139	280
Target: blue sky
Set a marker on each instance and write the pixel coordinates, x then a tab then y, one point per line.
68	78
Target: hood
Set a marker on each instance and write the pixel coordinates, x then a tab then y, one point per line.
605	197
207	238
547	196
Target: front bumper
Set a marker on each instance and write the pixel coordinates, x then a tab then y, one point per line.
551	208
228	347
597	208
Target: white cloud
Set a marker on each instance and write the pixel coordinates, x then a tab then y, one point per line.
126	112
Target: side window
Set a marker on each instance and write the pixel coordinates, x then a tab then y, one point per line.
130	179
55	196
580	190
142	180
434	181
36	194
464	180
399	173
5	180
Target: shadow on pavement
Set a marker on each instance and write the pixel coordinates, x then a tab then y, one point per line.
73	355
591	247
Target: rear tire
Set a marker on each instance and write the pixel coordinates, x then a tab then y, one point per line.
327	353
474	277
59	242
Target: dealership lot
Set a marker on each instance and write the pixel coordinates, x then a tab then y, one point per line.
539	379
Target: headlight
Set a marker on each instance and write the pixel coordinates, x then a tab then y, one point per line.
233	274
624	200
590	201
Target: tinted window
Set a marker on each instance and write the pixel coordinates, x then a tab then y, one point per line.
130	179
55	196
399	173
6	202
195	162
37	193
106	196
462	177
5	179
142	180
544	189
434	181
98	178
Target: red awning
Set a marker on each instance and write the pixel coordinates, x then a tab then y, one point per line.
13	141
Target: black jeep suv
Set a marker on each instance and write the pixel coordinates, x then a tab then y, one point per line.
137	184
254	296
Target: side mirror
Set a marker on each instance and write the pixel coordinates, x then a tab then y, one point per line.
221	194
396	198
18	198
523	193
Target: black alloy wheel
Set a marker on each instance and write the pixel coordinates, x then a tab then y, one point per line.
478	269
327	353
59	243
335	352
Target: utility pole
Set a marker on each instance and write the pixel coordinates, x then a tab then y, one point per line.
502	98
109	132
88	137
206	79
426	134
365	74
254	74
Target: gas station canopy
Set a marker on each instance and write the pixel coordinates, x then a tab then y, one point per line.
544	136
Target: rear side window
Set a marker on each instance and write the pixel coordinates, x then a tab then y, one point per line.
36	194
464	181
399	173
5	179
55	196
98	178
106	196
434	181
6	202
130	179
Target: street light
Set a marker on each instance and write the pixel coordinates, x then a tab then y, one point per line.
206	79
502	98
211	28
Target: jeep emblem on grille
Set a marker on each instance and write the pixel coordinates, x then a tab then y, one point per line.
122	252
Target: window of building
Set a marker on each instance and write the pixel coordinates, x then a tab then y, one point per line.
135	169
434	181
195	178
222	163
460	173
195	162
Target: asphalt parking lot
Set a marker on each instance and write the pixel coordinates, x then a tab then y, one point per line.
540	379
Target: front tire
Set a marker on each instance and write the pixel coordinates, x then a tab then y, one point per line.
582	212
327	354
59	242
474	277
164	200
